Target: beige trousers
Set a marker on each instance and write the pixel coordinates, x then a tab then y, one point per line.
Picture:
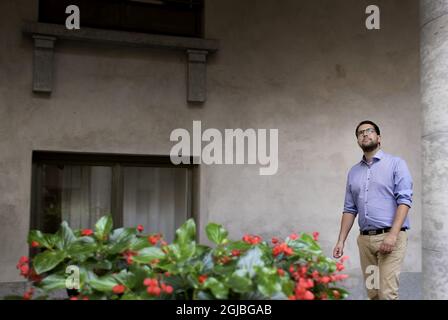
381	271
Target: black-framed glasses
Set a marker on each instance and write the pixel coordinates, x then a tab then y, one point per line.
365	131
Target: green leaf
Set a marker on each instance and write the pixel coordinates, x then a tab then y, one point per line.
53	282
48	260
182	253
202	250
120	239
187	251
186	233
146	255
46	240
103	284
82	248
103	227
203	295
65	236
216	233
239	245
219	290
250	260
139	243
130	296
268	281
126	278
239	281
207	262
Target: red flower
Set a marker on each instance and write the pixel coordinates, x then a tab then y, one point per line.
28	294
325	279
288	251
340	277
315	236
293	236
23	260
274	240
167	274
343	259
225	259
336	294
236	252
118	289
154	239
281	272
128	254
149	282
339	266
155	291
87	232
35	244
24	270
74	298
140	228
308	295
33	276
168	289
304	270
282	248
256	239
202	278
250	239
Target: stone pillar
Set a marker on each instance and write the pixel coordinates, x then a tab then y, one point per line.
434	90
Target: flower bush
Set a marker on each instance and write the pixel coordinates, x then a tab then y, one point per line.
126	264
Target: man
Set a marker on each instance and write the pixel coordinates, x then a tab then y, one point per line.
379	192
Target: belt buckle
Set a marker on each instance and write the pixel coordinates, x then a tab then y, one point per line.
372	232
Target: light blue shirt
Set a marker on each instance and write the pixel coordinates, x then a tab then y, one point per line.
374	191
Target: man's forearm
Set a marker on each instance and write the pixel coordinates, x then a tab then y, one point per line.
400	216
346	225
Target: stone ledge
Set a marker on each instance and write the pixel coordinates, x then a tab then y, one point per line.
125	38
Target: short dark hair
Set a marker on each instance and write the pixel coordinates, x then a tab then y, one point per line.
377	129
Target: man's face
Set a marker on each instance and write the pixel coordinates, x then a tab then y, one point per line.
368	139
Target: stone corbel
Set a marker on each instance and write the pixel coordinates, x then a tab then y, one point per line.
197	61
43	63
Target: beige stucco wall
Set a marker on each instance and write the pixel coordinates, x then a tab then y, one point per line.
307	68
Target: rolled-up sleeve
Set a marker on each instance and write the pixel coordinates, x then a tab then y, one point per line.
403	184
349	203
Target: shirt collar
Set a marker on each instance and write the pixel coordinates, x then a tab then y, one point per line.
378	155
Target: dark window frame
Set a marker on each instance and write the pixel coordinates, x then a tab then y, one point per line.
117	162
170	17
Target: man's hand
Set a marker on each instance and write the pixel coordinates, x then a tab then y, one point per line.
388	244
338	250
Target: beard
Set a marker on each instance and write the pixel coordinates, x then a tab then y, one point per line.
369	146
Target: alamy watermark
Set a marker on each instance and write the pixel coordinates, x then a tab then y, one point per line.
226	148
72	22
73	279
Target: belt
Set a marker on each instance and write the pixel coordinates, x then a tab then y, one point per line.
378	231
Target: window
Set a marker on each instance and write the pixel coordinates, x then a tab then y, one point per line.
80	188
168	17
